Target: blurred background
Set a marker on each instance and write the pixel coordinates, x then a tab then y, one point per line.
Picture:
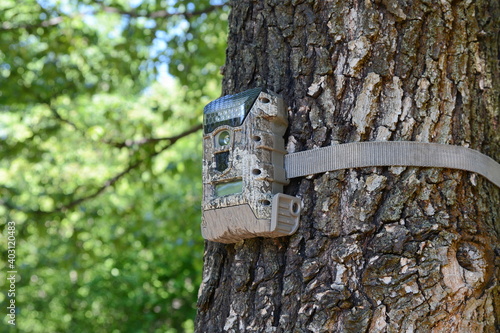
100	159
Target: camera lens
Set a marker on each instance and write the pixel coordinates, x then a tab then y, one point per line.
224	138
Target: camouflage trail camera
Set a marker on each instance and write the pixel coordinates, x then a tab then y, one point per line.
243	169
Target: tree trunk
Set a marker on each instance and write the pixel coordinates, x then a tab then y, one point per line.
378	249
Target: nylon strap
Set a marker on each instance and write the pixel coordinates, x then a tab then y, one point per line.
390	153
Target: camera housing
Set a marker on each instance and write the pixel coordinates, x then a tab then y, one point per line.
243	169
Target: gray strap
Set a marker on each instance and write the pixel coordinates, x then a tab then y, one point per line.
390	153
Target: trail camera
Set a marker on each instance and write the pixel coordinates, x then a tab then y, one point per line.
244	165
243	169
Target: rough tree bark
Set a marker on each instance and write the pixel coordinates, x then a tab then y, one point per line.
378	249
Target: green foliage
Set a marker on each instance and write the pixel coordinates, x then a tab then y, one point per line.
100	164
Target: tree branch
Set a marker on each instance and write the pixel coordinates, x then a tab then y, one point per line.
109	182
126	143
64	120
143	141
